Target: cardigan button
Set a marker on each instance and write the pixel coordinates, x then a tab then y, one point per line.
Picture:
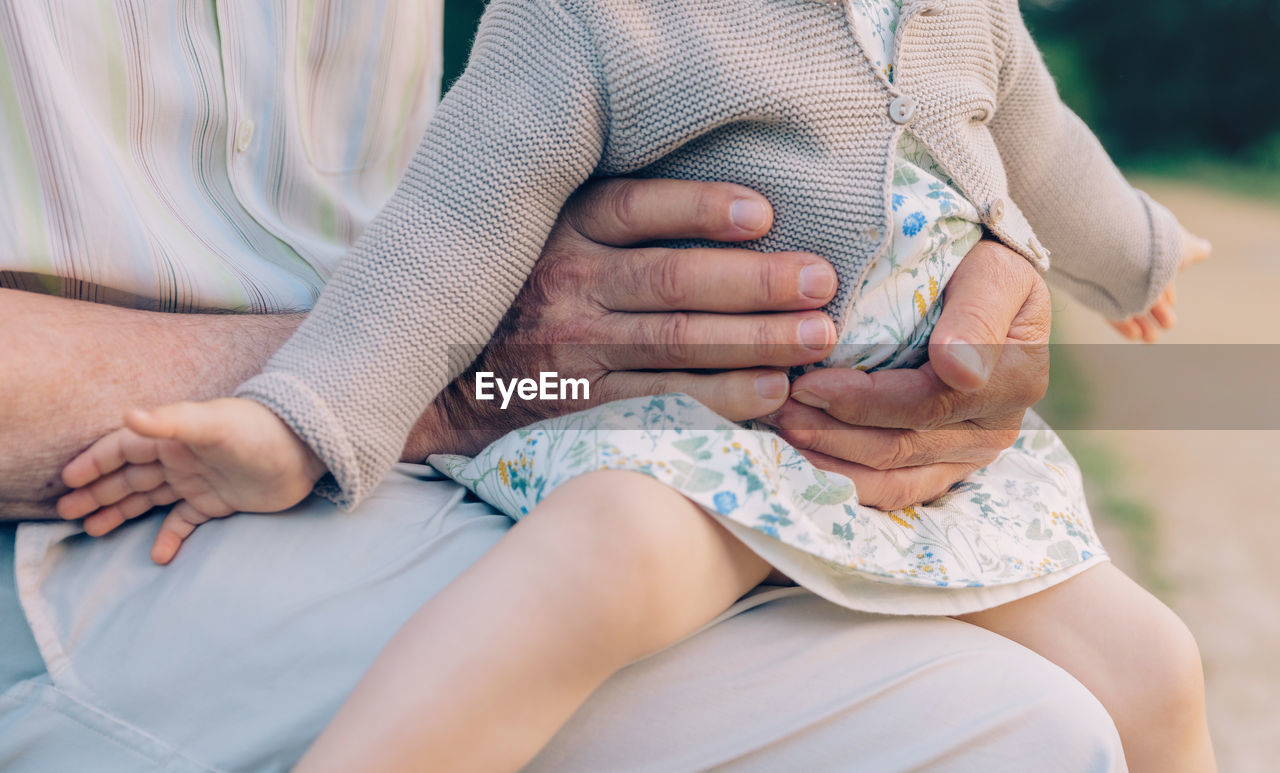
1038	250
995	211
902	108
932	9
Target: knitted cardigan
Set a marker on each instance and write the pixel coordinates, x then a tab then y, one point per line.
773	94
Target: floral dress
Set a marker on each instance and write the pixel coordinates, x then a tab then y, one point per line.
1010	529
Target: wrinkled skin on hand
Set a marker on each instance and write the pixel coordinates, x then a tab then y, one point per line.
721	323
636	319
906	436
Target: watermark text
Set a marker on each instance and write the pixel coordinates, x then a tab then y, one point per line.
547	386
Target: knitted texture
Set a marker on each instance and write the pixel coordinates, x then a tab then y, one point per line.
772	94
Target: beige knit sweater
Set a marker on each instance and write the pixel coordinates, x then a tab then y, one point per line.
772	94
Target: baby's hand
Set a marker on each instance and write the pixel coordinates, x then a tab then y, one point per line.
213	459
1146	327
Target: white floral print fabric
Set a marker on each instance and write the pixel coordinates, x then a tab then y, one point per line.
1010	529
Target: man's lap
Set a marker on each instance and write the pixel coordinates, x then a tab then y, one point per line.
19	656
800	684
237	655
244	645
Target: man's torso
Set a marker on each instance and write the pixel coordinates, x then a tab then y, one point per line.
203	155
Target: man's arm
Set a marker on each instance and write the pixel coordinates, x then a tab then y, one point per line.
69	370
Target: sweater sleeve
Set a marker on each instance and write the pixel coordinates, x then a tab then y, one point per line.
1114	248
427	283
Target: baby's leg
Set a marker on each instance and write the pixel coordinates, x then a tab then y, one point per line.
1131	651
611	567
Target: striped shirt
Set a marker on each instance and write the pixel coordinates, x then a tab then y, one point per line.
186	155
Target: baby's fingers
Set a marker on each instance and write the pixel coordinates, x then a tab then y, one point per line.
108	518
1147	327
1162	312
1127	328
1148	330
110	489
181	521
108	454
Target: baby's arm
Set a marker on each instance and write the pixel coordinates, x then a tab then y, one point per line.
409	307
1114	248
427	283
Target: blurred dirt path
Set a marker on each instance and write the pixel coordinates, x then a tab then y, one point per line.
1214	493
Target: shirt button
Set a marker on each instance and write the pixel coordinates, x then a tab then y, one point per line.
244	135
902	108
995	211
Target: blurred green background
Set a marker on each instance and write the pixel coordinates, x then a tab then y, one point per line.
1185	87
460	19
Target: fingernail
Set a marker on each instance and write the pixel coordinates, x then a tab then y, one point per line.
814	333
810	399
771	420
817	282
772	386
749	215
968	356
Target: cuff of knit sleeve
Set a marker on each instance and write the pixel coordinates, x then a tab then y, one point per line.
306	414
1166	251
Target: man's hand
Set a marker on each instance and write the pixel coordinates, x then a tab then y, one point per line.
905	436
69	369
635	319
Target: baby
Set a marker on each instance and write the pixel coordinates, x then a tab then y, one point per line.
890	136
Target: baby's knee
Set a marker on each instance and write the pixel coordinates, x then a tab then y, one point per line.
1166	676
636	527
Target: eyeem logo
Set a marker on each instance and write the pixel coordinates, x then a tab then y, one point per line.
547	386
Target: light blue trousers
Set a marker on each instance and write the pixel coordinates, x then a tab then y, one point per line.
235	657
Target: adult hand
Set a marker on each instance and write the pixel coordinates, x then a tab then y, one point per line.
635	319
905	436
